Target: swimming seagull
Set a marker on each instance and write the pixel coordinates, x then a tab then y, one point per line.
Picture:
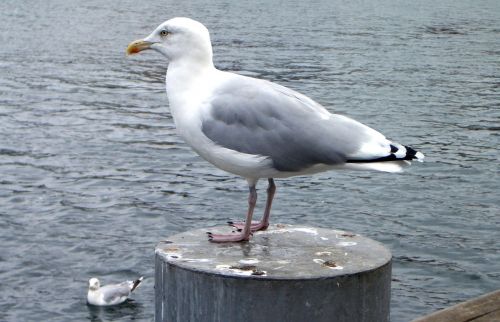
255	128
110	294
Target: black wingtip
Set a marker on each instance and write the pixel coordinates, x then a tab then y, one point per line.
410	153
137	282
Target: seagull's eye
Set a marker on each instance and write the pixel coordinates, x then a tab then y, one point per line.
164	33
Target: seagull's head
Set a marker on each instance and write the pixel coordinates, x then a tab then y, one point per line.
94	284
177	39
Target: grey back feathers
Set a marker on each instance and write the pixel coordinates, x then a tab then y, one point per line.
281	124
111	293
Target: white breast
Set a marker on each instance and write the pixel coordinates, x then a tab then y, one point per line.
95	298
188	110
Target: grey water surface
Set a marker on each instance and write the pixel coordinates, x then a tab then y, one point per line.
93	175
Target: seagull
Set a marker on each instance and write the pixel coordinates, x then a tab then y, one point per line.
257	129
110	294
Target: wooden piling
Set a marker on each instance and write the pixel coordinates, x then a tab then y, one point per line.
485	308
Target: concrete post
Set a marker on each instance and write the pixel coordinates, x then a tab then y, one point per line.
286	273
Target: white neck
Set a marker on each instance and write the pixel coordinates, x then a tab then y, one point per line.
186	75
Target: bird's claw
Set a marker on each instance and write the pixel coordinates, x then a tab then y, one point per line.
254	226
221	238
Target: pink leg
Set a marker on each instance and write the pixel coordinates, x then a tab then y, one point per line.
264	223
245	234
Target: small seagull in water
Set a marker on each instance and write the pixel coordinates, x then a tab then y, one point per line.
255	128
110	294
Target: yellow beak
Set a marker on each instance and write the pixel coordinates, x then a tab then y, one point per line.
139	45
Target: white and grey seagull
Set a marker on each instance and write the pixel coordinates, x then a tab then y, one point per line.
111	294
255	128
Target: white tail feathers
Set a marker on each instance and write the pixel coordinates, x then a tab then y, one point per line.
385	166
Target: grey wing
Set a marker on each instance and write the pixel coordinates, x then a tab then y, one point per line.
113	293
262	118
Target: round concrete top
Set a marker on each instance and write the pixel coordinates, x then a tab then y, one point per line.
280	252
